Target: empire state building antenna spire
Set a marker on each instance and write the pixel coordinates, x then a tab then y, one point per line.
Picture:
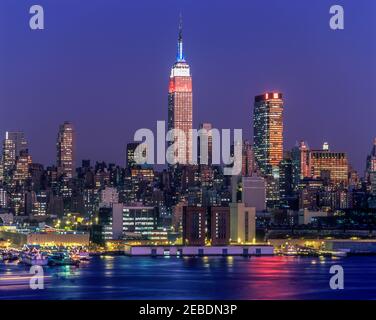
180	56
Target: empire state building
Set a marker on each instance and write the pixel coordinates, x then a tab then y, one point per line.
180	105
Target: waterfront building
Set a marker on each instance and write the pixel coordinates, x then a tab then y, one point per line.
242	223
117	221
142	220
110	223
47	237
206	225
224	250
218	225
177	215
180	105
65	146
194	223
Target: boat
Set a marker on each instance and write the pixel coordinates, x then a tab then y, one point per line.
61	259
80	255
34	259
289	251
9	255
339	253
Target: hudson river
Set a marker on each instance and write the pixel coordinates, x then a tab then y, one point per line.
121	277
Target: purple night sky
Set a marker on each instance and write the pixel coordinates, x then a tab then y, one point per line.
104	65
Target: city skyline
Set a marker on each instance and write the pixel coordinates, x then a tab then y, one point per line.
80	100
232	156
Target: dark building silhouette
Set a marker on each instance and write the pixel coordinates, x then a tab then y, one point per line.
194	226
218	225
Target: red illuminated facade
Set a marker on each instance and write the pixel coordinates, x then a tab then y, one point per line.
180	106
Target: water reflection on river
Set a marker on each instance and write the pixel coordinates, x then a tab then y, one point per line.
121	277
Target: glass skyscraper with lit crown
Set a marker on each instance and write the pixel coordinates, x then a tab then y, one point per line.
268	140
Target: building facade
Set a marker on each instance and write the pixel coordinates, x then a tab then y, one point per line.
268	131
371	169
180	107
194	219
268	141
243	223
66	150
218	225
330	166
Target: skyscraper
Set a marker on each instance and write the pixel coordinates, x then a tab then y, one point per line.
14	144
371	159
180	105
286	177
330	166
248	165
131	149
268	131
132	154
268	141
207	142
66	150
371	169
300	163
9	158
19	140
23	162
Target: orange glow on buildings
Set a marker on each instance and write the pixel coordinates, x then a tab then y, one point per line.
330	165
268	131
